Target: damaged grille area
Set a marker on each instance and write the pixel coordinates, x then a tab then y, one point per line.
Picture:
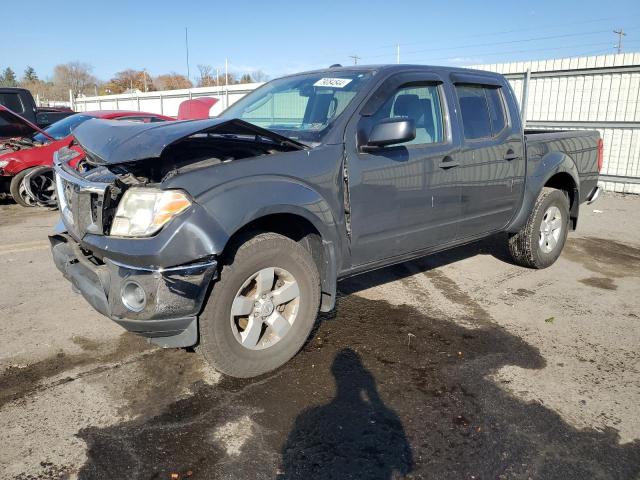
87	203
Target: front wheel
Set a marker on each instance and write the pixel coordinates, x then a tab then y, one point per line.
263	307
18	189
539	242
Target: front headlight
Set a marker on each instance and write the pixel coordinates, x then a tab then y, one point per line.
4	163
142	212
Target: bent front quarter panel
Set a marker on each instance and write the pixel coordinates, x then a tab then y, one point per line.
306	183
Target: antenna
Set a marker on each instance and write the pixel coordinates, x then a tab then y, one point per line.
186	44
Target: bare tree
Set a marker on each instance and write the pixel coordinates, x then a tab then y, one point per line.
75	76
129	80
206	77
259	76
172	81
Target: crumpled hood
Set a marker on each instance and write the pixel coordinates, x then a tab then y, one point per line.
113	142
13	125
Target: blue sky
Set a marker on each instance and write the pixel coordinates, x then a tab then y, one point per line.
280	37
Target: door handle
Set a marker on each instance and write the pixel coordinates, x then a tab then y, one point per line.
511	155
448	162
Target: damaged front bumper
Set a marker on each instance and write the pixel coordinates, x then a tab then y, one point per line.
161	304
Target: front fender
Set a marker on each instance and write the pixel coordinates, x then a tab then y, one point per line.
239	202
551	164
242	201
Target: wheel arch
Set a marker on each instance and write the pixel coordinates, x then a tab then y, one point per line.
306	217
555	170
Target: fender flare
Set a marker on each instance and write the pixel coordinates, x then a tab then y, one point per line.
551	164
262	196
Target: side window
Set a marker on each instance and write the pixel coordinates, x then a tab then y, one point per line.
475	112
496	110
422	105
12	101
482	110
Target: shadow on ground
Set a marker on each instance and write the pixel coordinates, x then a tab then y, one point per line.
379	392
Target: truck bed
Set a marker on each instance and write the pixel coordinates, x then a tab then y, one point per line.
580	145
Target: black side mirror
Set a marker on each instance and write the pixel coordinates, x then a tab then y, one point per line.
391	131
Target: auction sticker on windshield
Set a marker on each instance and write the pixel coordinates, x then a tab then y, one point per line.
332	82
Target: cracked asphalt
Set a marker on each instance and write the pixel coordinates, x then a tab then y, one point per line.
459	365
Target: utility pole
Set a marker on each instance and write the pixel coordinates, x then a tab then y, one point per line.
186	44
144	73
226	83
398	53
355	59
620	34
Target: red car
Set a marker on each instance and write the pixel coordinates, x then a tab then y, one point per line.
27	158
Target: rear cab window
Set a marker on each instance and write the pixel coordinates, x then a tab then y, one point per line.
13	102
482	111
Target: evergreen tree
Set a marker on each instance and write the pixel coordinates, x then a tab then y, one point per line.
30	74
8	78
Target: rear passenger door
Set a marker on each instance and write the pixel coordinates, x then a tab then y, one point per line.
492	163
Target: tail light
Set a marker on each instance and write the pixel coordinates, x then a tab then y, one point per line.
600	154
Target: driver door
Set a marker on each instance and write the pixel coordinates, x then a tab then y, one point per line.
403	198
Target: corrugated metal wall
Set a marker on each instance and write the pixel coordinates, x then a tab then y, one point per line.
598	92
165	102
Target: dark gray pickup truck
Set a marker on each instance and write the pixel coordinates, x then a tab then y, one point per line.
230	233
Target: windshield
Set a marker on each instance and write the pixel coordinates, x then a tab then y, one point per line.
61	128
301	107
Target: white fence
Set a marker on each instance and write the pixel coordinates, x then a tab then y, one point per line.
597	92
165	102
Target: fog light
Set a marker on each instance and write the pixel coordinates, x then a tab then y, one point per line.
133	296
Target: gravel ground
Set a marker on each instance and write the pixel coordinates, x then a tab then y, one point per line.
459	365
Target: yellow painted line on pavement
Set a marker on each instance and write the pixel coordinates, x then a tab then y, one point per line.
23	247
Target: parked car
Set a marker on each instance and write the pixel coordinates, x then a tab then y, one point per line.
20	101
26	162
232	232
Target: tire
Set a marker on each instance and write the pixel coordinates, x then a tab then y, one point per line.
18	191
227	342
39	184
536	247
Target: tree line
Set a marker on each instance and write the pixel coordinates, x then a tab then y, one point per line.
77	77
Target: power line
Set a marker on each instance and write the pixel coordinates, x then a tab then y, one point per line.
488	54
518	30
491	44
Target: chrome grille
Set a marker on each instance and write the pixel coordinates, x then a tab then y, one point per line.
80	201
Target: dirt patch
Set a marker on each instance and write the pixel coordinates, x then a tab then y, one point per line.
523	293
167	376
17	381
603	283
49	471
379	389
604	257
455	294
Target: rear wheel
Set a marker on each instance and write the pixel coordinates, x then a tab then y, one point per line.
263	307
540	241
